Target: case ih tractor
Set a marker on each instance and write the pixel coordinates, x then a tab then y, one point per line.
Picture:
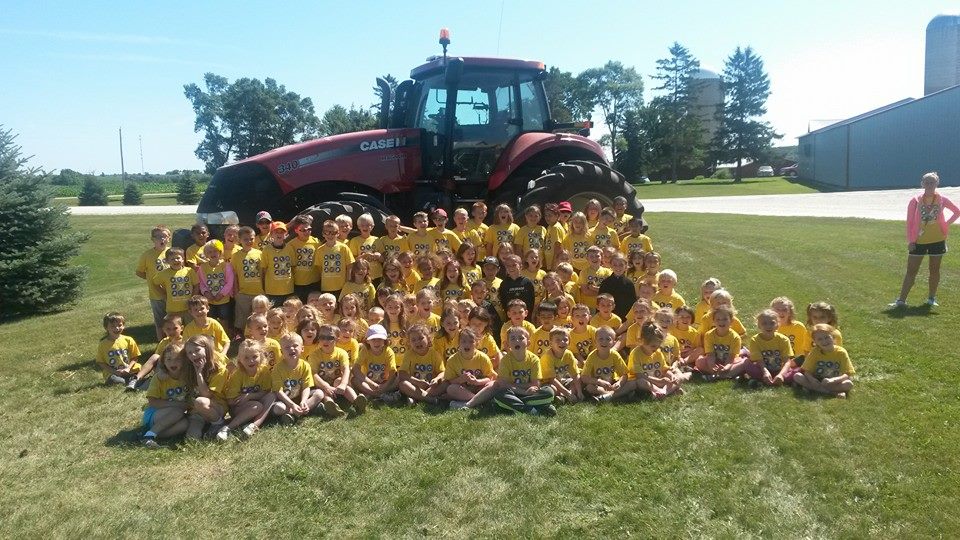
459	130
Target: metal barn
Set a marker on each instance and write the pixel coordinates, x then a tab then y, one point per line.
888	147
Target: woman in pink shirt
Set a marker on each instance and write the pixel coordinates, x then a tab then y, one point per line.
927	229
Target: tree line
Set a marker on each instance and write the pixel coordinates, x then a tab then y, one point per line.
662	138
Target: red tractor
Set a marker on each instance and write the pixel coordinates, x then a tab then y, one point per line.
459	130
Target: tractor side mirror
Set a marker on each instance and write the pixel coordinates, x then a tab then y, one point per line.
451	77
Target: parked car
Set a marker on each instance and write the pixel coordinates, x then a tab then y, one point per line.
789	171
765	170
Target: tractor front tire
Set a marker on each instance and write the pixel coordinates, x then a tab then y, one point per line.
329	210
579	181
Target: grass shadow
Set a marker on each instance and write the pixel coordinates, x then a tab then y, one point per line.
909	311
78	365
144	333
127	438
85	388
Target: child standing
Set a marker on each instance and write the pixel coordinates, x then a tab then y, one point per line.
591	277
306	275
333	258
118	355
248	269
620	289
553	235
827	368
363	249
375	373
216	278
635	240
421	370
583	336
176	283
277	263
419	241
150	263
360	284
389	246
443	238
504	231
532	234
515	286
194	255
577	241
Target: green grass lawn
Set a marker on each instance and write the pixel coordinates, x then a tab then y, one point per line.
711	187
721	461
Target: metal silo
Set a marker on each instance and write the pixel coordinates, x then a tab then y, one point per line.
942	65
708	100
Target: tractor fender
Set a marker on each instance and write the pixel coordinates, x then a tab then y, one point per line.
528	145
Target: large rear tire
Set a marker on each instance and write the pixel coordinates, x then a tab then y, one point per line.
577	182
331	209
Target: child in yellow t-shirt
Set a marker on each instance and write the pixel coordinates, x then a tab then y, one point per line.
770	351
502	232
248	392
540	340
331	372
176	283
707	289
516	316
207	380
173	335
292	381
687	334
247	266
558	367
531	235
605	315
648	368
118	355
306	275
721	346
582	336
604	369
194	255
787	325
420	242
333	258
468	371
216	282
666	293
257	330
421	369
363	246
277	264
576	242
635	241
204	325
167	398
591	277
151	262
827	368
518	386
375	373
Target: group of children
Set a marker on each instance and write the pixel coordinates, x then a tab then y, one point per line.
575	307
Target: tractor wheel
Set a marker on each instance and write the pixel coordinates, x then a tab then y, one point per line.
331	209
577	182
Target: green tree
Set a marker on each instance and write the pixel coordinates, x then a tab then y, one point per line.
247	117
675	109
615	89
187	189
741	134
567	95
132	195
92	193
339	119
36	242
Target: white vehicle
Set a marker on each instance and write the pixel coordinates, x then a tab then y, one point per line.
765	170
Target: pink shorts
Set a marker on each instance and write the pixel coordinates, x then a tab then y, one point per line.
755	370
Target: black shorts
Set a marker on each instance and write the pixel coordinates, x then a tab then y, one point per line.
223	312
933	248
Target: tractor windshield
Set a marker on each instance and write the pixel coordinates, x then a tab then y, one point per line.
493	107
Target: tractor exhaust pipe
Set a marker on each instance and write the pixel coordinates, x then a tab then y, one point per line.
386	96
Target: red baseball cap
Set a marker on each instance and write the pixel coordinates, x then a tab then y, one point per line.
564	206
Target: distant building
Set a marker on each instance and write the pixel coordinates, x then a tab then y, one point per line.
888	147
942	58
708	101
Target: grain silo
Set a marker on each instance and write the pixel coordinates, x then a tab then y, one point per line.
708	100
942	65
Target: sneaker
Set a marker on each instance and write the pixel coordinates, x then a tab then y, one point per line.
288	419
932	302
458	405
897	304
332	410
131	385
547	410
842	395
151	443
391	397
709	378
409	402
249	430
214	430
360	404
223	434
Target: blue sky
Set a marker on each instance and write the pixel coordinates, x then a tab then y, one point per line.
74	72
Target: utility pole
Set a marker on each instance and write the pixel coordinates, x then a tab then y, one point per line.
142	170
123	171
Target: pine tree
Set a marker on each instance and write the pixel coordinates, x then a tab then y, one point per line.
741	134
36	243
187	190
92	193
132	195
675	109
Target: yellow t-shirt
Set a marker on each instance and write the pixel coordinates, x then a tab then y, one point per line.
606	237
271	351
242	383
471	274
352	346
674	300
366	291
707	324
390	247
589	276
671	348
613	321
837	340
215	279
796	332
479	364
576	245
531	329
479	228
724	348
425	367
432	322
493	295
772	352
177	286
333	263
630	243
445	239
151	262
359	245
217	383
166	342
119	353
419	244
552	241
564	367
378	367
329	366
498	234
518	371
166	387
528	237
699	312
609	369
540	341
651	365
194	255
213	329
304	271
581	343
293	380
824	365
689	338
488	346
447	346
278	269
396	336
452	291
248	271
930	230
537	279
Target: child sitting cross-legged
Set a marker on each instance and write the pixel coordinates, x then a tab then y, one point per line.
517	387
468	371
826	368
292	381
421	370
648	368
330	365
604	370
375	373
558	367
248	391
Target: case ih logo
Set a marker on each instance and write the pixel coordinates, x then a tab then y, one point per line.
381	144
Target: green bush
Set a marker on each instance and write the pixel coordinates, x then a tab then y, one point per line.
698	177
132	195
92	194
721	174
187	190
36	243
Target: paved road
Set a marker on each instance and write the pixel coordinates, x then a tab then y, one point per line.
888	204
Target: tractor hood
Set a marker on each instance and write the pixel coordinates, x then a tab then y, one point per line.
387	160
